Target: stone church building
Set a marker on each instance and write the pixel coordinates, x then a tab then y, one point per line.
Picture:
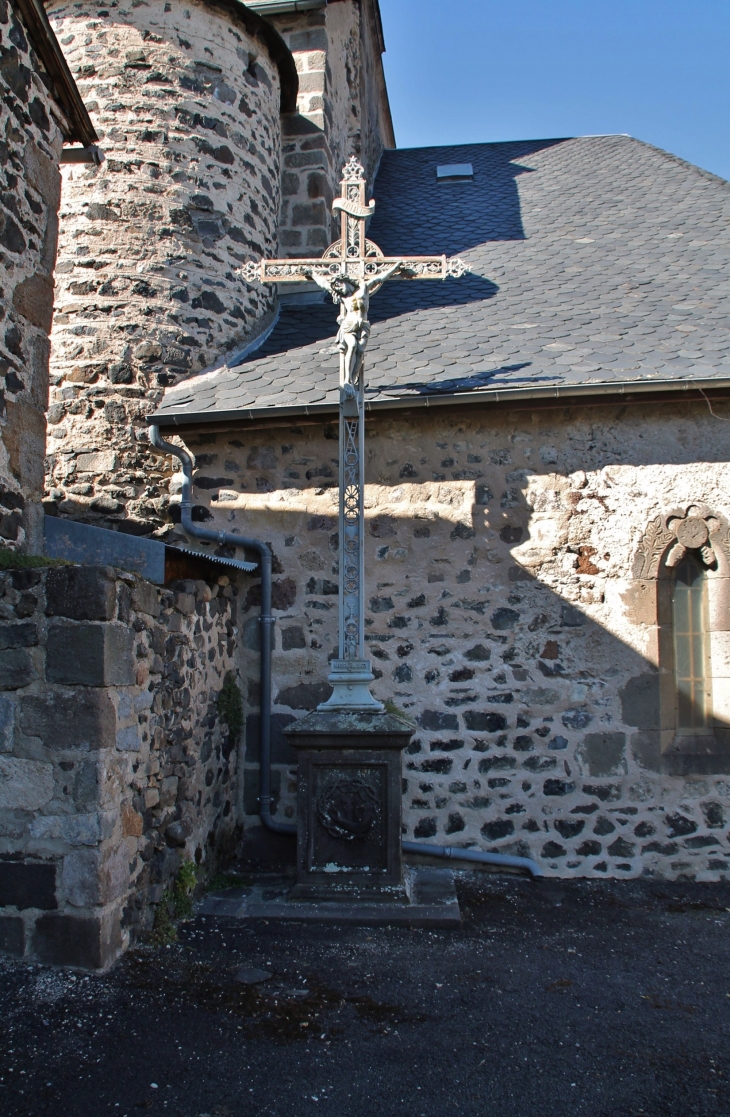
548	525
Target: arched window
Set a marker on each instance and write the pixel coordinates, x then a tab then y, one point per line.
691	645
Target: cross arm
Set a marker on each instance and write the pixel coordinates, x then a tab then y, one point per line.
416	267
289	271
327	268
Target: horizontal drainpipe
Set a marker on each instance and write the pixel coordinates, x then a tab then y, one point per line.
266	619
474	855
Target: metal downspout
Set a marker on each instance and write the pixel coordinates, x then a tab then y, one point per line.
266	619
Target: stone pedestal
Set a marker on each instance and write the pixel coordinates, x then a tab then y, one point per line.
349	806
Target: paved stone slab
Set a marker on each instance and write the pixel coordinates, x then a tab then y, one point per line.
433	903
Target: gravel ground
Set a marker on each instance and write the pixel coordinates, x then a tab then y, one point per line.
555	998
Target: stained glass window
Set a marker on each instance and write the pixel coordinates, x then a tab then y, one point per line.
690	644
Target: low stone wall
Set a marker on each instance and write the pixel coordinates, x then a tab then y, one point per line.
115	766
31	189
506	614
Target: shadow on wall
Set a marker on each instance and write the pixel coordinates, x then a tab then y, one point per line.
539	728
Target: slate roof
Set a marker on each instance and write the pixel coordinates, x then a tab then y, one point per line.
596	263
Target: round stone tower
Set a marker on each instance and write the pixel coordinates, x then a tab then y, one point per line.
186	98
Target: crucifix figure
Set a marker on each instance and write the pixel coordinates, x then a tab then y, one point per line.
350	271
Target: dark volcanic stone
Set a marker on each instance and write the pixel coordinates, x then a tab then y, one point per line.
28	884
436	720
499	828
82	593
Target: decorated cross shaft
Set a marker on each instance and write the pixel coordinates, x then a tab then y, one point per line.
350	271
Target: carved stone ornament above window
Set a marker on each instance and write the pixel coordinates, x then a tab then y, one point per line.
669	537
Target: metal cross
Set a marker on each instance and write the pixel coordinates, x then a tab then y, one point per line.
351	270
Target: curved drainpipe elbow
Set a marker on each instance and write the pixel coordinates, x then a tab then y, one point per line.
266	619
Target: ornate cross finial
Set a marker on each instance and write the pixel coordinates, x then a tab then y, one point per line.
353	170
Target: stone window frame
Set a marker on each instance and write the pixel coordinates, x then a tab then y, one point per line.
706	533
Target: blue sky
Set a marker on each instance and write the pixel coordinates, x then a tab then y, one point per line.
463	71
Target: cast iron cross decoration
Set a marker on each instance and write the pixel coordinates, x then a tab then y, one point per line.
351	270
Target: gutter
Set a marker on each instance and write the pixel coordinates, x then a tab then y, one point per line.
282	7
515	396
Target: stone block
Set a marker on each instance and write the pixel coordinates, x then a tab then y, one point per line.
168	791
436	720
487	721
12	935
640	703
292	638
91	876
570	617
25	784
16	668
603	754
719	604
100	461
312	82
640	599
318	238
23	635
7	723
721	699
177	833
132	822
309	213
43	174
33	298
74	829
28	884
90	655
128	739
83	719
539	696
720	654
82	593
81	877
146	599
89	942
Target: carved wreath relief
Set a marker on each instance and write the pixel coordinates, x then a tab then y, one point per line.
669	537
347	808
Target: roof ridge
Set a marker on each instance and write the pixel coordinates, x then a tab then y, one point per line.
681	162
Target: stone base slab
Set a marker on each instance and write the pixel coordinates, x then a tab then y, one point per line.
430	901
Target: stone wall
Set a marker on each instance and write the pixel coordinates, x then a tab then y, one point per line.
342	111
186	104
115	766
504	616
30	142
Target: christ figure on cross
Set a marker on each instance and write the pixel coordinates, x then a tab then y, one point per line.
354	328
350	271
